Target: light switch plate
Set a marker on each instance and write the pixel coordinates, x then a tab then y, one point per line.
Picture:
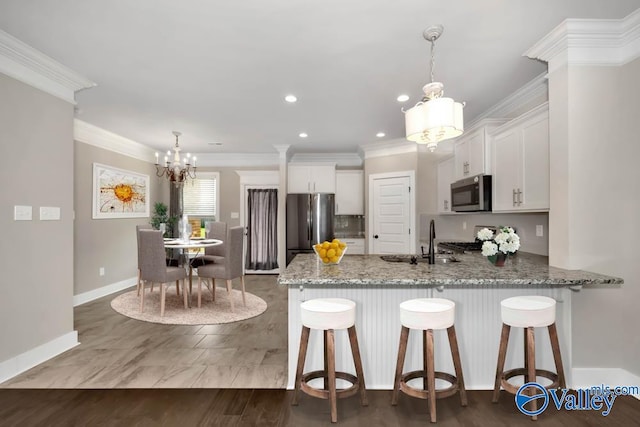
49	213
235	215
22	213
539	231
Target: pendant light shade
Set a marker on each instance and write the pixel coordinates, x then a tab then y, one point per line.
434	118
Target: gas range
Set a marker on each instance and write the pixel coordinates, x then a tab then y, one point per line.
461	247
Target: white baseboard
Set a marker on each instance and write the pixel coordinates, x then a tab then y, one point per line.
589	377
103	291
27	360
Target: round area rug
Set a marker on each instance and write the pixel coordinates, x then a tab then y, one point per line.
211	312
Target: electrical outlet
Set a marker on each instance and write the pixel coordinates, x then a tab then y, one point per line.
102	271
464	225
235	215
49	213
539	231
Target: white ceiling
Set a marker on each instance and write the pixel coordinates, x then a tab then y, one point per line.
218	71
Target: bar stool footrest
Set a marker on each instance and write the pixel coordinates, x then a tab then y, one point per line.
424	394
506	375
324	394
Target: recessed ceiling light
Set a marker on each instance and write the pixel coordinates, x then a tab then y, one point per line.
403	98
290	98
380	134
303	135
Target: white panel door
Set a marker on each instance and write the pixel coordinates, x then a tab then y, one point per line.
391	204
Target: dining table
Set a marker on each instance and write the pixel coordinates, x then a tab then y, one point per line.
185	246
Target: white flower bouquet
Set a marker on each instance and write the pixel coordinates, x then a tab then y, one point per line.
497	247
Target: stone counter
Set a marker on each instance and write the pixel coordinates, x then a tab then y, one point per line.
473	269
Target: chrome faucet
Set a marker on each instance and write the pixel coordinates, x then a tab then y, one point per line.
432	249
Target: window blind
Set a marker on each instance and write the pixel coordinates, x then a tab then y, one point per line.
199	197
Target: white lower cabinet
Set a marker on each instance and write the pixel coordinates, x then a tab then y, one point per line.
521	163
354	246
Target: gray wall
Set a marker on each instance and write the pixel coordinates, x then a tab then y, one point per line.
36	256
108	243
596	206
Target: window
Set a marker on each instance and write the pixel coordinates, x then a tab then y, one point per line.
200	196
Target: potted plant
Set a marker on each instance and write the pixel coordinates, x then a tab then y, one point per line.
160	216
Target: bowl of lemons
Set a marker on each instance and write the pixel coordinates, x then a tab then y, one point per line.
330	253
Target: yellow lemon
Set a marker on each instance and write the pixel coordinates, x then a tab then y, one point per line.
334	259
331	253
334	245
343	245
326	245
338	252
325	260
322	253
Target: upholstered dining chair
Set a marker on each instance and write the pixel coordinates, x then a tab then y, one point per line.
154	269
138	228
230	267
217	231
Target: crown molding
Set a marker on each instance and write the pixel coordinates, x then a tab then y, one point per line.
599	42
339	159
101	138
30	66
388	148
269	177
536	88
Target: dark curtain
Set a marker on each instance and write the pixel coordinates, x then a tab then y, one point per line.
262	229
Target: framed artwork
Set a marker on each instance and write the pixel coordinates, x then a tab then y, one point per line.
118	193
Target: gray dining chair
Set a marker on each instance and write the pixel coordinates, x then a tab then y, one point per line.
154	269
138	228
229	268
216	253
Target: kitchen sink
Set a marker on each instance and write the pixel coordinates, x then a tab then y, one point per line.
413	259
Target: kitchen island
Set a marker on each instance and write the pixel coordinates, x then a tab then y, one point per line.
475	285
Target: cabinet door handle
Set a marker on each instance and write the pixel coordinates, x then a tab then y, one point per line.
337	207
314	187
513	197
309	187
446	203
519	197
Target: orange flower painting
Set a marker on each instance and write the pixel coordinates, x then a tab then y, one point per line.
118	193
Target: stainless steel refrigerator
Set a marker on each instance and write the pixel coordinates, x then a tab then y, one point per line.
309	221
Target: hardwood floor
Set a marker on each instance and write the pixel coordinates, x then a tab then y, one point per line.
243	407
119	352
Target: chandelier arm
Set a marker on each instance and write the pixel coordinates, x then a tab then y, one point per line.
433	58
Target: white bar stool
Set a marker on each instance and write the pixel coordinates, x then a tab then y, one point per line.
329	314
528	312
428	314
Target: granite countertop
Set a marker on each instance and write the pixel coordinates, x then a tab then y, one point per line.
473	269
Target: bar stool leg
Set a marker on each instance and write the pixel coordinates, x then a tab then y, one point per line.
357	361
555	348
402	351
531	364
302	354
526	357
431	379
455	354
425	381
502	353
325	383
332	375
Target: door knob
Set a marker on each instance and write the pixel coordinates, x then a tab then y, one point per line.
375	236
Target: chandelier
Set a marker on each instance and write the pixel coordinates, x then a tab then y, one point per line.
434	118
177	171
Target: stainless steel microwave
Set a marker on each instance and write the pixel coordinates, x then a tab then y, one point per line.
471	194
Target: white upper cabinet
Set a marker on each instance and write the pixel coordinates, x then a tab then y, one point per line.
472	151
521	163
445	178
311	178
350	192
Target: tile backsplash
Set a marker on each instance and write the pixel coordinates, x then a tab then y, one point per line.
349	225
451	227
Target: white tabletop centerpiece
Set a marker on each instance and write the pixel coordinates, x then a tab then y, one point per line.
497	246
